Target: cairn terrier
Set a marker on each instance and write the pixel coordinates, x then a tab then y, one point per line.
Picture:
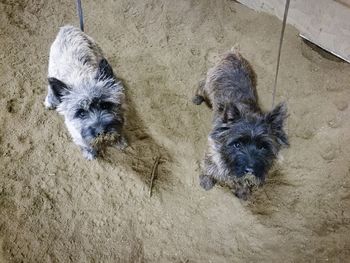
244	140
83	88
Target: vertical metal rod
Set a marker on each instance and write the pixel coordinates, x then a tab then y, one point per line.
279	50
80	15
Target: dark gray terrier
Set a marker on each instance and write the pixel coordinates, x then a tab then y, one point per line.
244	140
83	88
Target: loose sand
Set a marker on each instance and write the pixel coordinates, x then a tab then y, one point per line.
57	207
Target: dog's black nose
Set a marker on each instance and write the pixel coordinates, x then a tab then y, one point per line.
249	170
97	131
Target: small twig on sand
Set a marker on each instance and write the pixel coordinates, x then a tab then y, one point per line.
268	197
154	169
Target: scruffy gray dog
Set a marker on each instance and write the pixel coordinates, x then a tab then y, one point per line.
83	88
244	141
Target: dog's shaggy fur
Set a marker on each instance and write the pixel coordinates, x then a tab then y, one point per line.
83	88
244	140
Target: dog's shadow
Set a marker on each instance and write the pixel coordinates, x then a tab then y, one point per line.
267	199
143	153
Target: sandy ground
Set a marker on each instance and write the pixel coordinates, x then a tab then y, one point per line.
57	207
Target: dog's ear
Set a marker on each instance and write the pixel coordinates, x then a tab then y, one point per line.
276	119
230	113
59	88
104	71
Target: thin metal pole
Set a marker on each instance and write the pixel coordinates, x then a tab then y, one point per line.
80	15
279	51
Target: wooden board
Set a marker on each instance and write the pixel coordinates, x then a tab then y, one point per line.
326	23
344	2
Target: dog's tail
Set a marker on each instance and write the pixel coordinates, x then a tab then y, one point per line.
80	15
235	53
236	48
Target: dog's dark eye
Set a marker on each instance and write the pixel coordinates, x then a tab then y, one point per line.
262	146
80	114
106	105
237	145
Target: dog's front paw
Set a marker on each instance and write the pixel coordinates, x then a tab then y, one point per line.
89	153
242	193
122	143
206	182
